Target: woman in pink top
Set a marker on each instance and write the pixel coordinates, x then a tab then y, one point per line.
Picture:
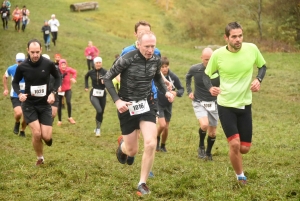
90	53
68	77
17	16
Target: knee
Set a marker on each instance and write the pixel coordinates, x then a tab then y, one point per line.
204	127
235	145
131	151
150	145
18	113
244	149
163	125
212	134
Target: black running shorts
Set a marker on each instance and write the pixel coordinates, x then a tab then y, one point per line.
32	112
15	102
237	123
55	104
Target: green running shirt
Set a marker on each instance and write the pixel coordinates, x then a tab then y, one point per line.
235	70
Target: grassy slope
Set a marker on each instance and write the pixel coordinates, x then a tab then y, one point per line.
80	167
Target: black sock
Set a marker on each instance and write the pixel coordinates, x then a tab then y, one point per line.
162	145
158	141
202	135
210	143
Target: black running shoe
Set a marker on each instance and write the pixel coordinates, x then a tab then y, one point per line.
122	158
16	128
201	152
49	143
163	149
130	160
22	133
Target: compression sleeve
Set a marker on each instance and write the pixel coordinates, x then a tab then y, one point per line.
261	73
17	78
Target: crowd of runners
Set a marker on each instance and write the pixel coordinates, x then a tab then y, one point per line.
143	89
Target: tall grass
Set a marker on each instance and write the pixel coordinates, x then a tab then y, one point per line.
80	166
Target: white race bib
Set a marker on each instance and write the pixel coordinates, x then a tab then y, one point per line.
89	57
61	93
47	32
98	92
22	86
38	91
4	15
209	105
139	107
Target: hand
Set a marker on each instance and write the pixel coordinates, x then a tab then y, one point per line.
255	85
86	89
22	97
122	105
214	91
59	89
51	98
5	93
170	96
191	96
73	80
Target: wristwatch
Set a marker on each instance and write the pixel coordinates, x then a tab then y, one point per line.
54	92
259	79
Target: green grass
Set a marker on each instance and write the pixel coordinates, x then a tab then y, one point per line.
81	167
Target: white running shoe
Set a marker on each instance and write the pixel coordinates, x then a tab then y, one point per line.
98	132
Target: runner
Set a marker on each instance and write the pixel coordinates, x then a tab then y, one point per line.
36	99
204	104
135	104
16	103
97	93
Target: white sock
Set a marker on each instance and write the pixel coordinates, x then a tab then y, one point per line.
240	175
141	182
40	157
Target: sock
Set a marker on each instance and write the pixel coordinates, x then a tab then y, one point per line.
158	141
162	145
40	157
210	143
240	175
202	135
141	182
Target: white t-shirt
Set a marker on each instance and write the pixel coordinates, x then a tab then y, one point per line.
54	24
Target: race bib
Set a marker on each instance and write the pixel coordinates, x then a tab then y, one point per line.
47	32
22	86
139	107
4	15
61	93
209	105
98	92
89	57
38	91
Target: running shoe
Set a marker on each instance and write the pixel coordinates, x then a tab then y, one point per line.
242	180
142	190
22	133
163	149
48	143
208	157
39	162
130	160
16	128
151	175
122	158
71	120
59	123
98	132
157	147
201	152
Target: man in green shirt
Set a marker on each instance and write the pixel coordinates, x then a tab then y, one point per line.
235	62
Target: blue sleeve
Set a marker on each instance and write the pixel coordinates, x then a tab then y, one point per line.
154	90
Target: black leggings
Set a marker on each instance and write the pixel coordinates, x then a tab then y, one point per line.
99	104
90	64
68	95
5	22
17	25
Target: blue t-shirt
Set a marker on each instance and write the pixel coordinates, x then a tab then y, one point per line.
156	52
11	72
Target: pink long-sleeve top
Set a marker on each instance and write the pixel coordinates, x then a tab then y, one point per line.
91	52
66	74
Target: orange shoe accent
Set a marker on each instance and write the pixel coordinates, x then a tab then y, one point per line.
71	120
59	123
120	139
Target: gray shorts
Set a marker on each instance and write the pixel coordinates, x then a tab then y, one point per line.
200	112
